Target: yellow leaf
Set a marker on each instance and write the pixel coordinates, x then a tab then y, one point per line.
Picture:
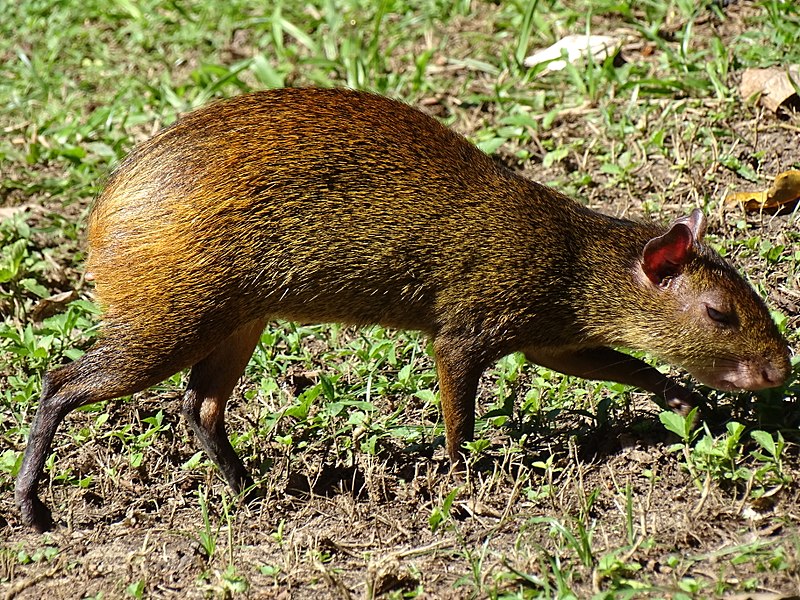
785	191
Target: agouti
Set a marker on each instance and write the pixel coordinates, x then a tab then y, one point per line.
330	205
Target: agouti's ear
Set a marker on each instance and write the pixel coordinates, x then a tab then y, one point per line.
696	221
666	256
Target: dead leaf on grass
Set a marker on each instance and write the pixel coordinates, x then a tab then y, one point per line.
774	84
7	212
47	307
576	47
783	195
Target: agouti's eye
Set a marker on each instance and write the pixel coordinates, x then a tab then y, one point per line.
719	317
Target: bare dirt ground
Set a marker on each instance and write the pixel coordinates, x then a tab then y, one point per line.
360	529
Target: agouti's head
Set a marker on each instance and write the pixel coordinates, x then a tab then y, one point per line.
705	317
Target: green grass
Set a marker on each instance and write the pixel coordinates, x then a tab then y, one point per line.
82	82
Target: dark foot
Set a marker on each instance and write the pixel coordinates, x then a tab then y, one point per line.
458	459
682	401
35	514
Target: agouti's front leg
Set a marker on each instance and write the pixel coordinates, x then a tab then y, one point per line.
210	385
459	369
609	365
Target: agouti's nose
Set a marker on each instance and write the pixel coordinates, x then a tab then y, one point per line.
774	375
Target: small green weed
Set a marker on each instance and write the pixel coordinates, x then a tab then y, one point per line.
440	515
722	459
136	589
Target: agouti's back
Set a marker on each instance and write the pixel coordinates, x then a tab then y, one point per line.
333	205
320	206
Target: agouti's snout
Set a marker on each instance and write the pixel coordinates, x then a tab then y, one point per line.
342	206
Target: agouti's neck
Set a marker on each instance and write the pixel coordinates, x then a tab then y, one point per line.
608	259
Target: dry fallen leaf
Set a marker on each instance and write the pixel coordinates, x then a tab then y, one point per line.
782	194
47	307
576	46
774	85
7	212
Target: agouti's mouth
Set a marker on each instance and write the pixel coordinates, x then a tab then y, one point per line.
717	380
745	376
725	386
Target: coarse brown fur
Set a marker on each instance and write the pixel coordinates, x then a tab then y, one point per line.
342	206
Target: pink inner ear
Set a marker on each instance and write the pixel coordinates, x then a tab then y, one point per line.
666	256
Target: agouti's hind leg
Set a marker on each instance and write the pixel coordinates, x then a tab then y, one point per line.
103	373
210	384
